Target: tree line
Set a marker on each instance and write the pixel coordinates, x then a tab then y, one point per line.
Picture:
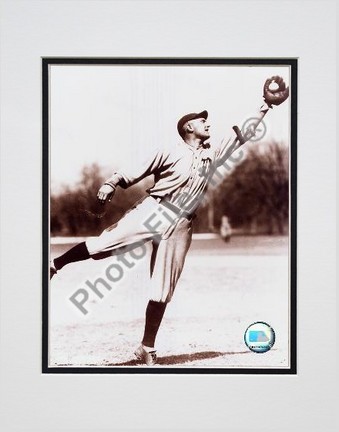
254	195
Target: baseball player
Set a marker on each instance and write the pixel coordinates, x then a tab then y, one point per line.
164	217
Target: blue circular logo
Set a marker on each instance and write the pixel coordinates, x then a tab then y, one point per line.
259	337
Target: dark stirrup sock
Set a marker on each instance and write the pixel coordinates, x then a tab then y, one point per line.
154	313
76	253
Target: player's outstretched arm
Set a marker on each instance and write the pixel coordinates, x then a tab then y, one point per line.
275	92
131	174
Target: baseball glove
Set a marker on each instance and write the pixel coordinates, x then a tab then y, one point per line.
277	96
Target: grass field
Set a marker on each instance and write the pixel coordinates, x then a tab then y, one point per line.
223	289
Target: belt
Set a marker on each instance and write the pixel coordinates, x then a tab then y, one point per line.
178	211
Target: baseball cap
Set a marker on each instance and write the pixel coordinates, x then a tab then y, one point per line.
188	117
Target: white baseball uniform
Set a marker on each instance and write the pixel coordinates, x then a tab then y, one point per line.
181	176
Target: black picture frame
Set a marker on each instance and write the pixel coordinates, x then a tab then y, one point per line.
46	63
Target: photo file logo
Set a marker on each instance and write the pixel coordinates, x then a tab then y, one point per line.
259	337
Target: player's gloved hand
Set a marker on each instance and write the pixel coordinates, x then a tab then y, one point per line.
279	94
105	193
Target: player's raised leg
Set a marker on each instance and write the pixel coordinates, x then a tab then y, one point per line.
76	253
130	230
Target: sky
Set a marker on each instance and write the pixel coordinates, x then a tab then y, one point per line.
114	114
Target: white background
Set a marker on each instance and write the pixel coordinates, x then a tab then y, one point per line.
32	401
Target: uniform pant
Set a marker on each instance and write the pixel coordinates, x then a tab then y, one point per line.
171	238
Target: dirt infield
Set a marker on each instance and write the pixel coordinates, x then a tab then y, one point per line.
223	289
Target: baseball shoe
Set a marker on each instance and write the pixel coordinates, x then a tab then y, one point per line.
149	358
52	269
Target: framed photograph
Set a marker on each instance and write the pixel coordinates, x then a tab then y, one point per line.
215	309
169	215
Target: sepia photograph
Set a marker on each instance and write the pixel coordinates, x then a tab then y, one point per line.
169	215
